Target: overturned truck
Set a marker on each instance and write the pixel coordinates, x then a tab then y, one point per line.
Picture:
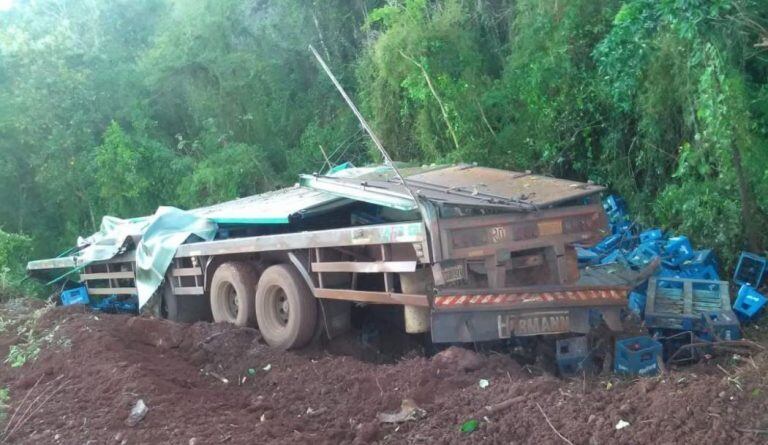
467	254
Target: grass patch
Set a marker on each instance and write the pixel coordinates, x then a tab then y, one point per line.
31	340
5	397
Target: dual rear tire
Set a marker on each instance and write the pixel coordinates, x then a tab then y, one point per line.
280	301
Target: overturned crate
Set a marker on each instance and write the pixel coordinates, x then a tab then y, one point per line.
700	306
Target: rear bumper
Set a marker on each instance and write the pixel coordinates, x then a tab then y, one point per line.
471	317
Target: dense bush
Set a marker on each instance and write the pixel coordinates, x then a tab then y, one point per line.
118	107
14	253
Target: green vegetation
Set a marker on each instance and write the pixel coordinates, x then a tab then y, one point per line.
31	338
15	250
116	107
5	397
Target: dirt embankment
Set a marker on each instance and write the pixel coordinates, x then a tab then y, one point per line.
208	383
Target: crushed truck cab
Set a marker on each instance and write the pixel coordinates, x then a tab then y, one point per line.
470	254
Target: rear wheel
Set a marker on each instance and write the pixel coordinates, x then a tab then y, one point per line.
232	292
286	310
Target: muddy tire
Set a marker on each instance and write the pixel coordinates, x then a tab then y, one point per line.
232	292
286	310
184	308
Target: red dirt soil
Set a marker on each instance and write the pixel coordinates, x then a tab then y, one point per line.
98	365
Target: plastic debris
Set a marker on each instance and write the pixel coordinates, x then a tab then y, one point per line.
484	383
251	371
114	304
408	411
621	424
469	426
268	367
138	412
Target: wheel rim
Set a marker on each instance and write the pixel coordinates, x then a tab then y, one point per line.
279	306
230	300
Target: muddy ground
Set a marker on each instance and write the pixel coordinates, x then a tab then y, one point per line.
211	383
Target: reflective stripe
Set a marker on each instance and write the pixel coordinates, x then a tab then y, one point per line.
528	297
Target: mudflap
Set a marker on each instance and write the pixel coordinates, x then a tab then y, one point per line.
465	326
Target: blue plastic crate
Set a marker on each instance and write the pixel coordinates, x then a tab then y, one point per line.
677	250
608	244
749	302
614	205
621	225
703	257
614	257
586	256
573	355
637	356
642	255
651	235
78	295
699	272
724	324
636	302
749	270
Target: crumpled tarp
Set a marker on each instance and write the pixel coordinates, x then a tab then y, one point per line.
112	239
158	238
169	228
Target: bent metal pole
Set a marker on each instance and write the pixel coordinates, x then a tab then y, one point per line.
365	125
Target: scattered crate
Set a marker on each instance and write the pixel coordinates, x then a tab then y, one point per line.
78	295
651	235
687	304
677	251
573	355
637	356
636	302
749	302
643	254
721	326
749	270
703	257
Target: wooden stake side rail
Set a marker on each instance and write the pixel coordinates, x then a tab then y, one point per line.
117	278
413	232
410	232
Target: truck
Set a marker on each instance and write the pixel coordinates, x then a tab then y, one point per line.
462	253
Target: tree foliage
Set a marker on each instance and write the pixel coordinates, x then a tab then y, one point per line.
118	107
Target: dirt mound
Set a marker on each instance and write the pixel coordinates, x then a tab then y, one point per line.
214	383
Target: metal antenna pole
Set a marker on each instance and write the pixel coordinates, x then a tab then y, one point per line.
376	141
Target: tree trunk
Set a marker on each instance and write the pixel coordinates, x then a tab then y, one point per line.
748	207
